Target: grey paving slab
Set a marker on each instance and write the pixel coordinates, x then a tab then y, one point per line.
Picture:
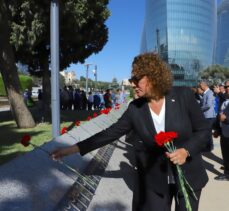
106	120
114	192
93	127
79	134
35	176
101	120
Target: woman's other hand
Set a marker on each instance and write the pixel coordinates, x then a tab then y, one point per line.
179	156
59	153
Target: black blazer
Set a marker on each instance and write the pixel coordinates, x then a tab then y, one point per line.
182	115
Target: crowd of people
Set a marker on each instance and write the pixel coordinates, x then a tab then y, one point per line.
214	103
76	99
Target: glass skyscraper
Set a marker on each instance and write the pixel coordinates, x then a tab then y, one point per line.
222	43
183	32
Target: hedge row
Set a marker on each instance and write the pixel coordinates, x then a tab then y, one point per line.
26	83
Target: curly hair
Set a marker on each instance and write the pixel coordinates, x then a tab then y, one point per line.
157	72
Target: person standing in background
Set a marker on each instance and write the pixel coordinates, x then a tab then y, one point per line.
223	131
207	107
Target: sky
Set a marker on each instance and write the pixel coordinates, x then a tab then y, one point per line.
125	26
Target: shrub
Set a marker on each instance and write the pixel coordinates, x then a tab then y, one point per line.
26	83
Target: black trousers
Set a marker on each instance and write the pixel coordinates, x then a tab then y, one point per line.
224	142
210	144
159	202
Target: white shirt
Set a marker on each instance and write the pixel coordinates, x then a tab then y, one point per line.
159	120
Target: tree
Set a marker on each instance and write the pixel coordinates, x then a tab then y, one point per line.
82	33
114	83
9	73
215	73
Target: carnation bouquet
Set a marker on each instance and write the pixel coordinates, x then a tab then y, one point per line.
165	139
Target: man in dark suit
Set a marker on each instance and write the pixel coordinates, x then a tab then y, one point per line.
223	130
159	108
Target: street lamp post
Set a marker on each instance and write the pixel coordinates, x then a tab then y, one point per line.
54	31
87	69
95	73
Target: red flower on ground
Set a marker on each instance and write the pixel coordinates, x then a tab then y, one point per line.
77	123
89	118
164	137
25	140
95	115
106	111
64	130
117	107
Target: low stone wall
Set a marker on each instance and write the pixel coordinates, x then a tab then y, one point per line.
34	182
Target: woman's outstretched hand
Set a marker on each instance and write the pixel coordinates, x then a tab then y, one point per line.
59	153
179	156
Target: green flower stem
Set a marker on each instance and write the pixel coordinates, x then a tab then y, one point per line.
182	180
84	178
189	186
168	147
173	147
183	189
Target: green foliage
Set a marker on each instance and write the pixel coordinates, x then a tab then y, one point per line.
61	80
131	90
215	73
10	146
26	82
82	31
99	85
2	88
114	83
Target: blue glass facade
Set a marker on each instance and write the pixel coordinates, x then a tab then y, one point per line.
183	33
222	43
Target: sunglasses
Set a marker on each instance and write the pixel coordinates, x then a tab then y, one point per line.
135	79
226	87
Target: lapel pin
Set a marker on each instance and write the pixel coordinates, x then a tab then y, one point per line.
173	100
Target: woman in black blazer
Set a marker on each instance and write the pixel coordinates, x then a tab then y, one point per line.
158	108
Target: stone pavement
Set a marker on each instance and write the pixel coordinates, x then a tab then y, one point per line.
114	192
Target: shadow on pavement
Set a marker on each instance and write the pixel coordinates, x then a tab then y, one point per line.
210	167
213	157
115	206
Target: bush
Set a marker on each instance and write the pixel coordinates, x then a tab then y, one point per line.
2	88
26	83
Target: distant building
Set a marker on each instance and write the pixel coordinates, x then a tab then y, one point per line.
69	76
125	82
183	33
222	43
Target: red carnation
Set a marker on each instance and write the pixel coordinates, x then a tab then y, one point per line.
117	107
106	111
64	130
164	137
77	123
88	118
25	140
